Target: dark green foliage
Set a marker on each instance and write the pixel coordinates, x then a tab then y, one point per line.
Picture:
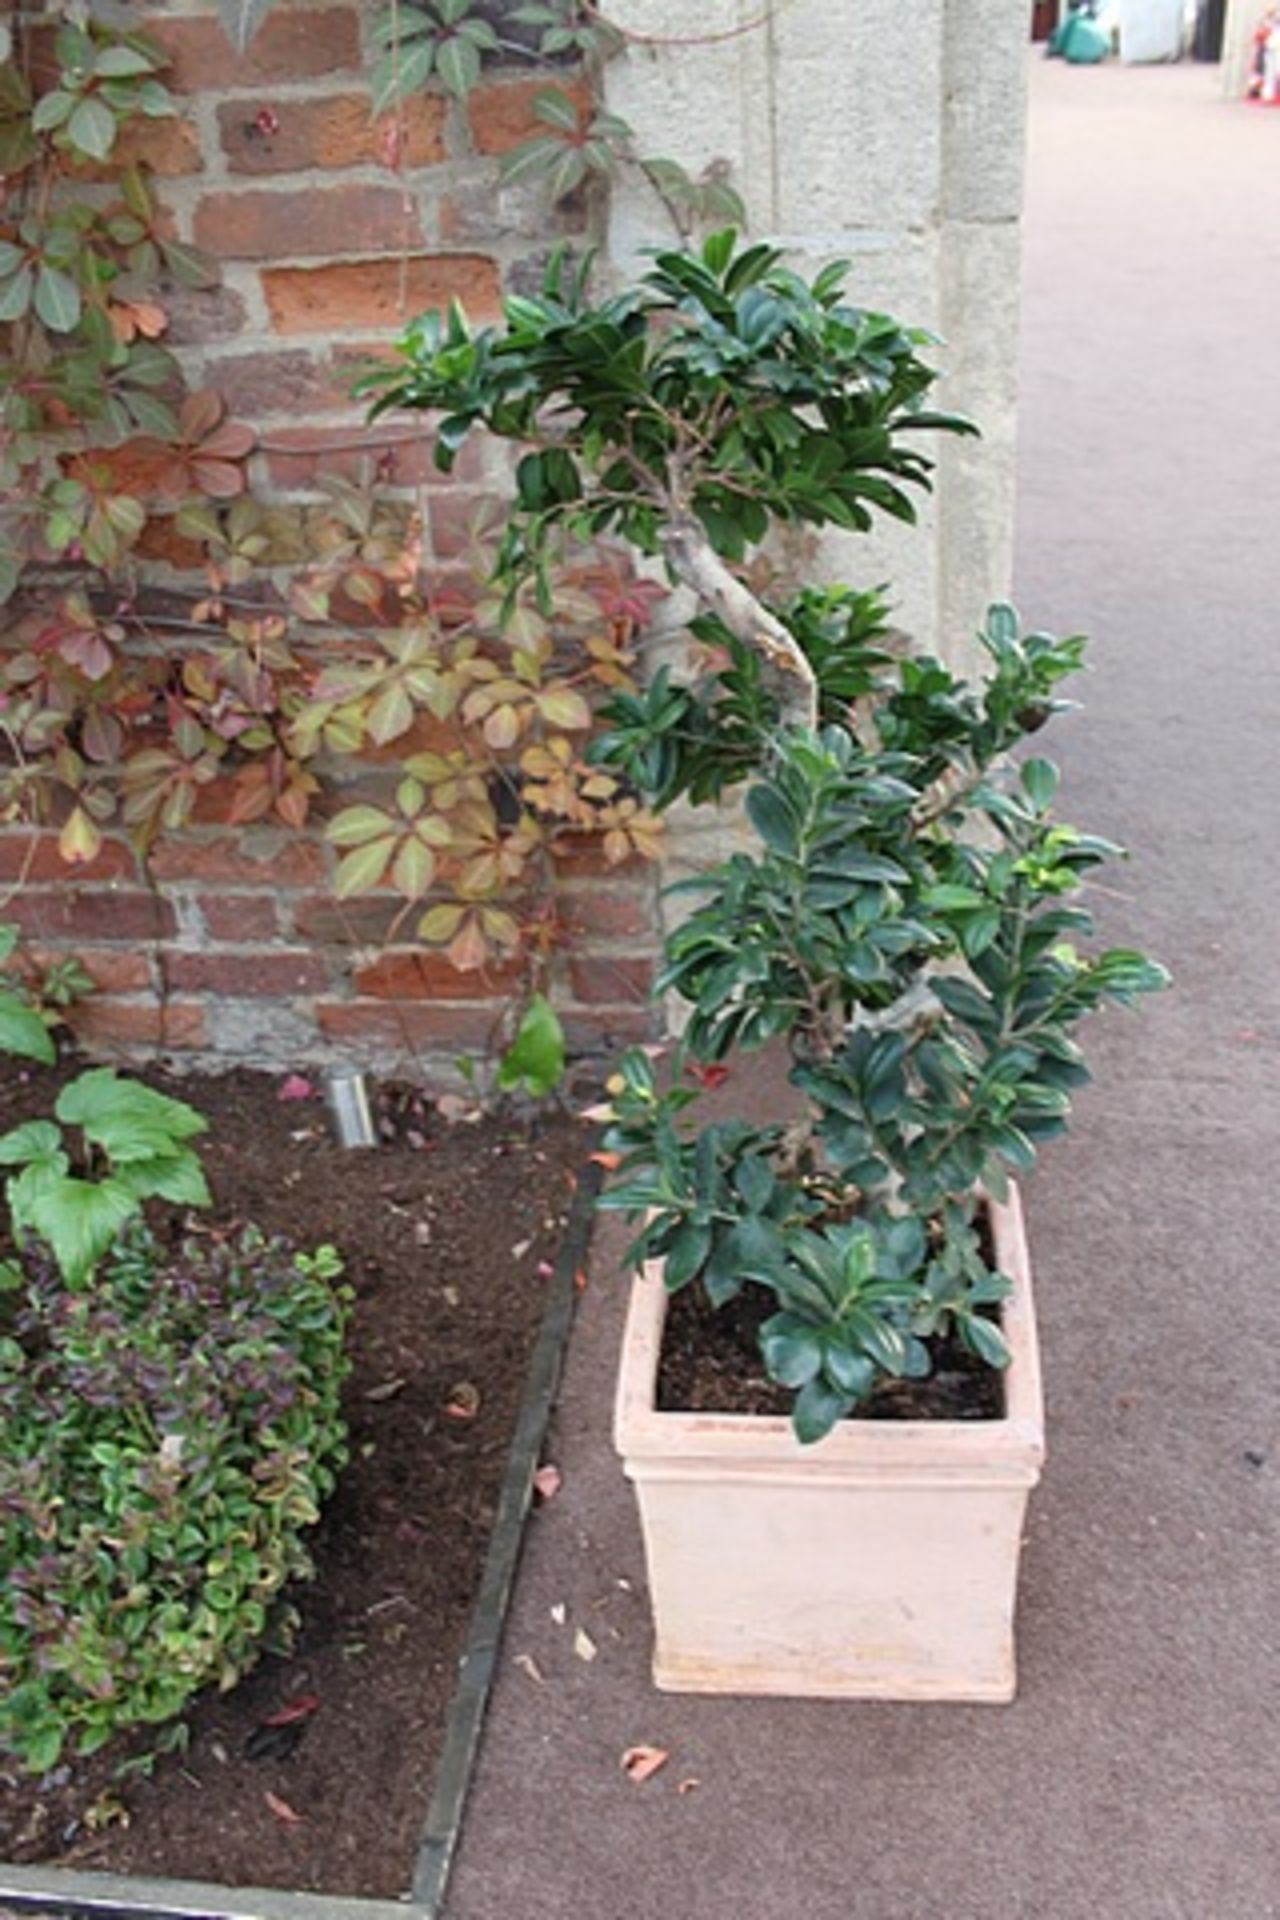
927	979
170	1434
723	383
906	922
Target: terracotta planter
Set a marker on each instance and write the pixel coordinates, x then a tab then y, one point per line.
879	1564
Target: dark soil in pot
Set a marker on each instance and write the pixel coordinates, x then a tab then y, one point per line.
448	1234
711	1363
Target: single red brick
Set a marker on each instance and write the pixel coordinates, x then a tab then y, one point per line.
400	1027
200	314
169	148
31	857
378	293
239	916
605	1029
610	980
291	862
131	1023
69	912
110	970
500	112
272	222
366	922
274	975
289	45
609	913
416	974
337	131
256	383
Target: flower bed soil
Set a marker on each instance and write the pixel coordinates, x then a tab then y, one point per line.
448	1234
710	1363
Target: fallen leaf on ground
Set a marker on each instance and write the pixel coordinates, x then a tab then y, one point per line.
558	1613
282	1810
527	1664
546	1482
580	1280
690	1785
295	1086
584	1646
387	1390
609	1161
641	1763
520	1249
301	1707
544	1269
709	1077
463	1402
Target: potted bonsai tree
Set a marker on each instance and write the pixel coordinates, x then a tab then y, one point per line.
905	929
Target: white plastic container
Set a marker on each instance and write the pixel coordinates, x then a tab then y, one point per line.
1150	30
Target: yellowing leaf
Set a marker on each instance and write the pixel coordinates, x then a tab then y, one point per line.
413	869
356	824
80	839
502	727
468	949
360	870
561	707
390	715
440	923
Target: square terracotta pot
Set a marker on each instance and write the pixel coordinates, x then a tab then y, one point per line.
879	1564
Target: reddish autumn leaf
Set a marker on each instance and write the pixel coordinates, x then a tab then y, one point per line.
609	1161
709	1077
283	1812
295	1086
301	1707
546	1482
641	1763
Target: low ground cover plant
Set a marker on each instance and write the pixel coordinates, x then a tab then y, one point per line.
170	1419
906	923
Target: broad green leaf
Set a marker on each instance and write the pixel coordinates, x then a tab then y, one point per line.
535	1059
360	870
792	1349
23	1032
818	1406
33	1140
15	294
772	819
354	825
458	64
80	1219
57	299
101	1096
91	128
1040	781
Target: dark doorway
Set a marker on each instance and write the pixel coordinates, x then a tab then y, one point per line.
1044	18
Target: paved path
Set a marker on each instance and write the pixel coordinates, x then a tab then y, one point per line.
1136	1778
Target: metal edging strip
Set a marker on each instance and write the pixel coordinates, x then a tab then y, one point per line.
61	1893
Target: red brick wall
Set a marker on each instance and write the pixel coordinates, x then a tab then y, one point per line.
232	948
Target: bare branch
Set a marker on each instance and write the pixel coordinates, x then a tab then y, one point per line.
695	562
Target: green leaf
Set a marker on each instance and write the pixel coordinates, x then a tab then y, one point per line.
792	1349
535	1059
91	129
33	1140
985	1338
23	1032
1040	781
15	294
52	109
685	1254
100	1096
360	870
175	1177
458	64
818	1406
121	62
554	108
772	819
80	1219
57	299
